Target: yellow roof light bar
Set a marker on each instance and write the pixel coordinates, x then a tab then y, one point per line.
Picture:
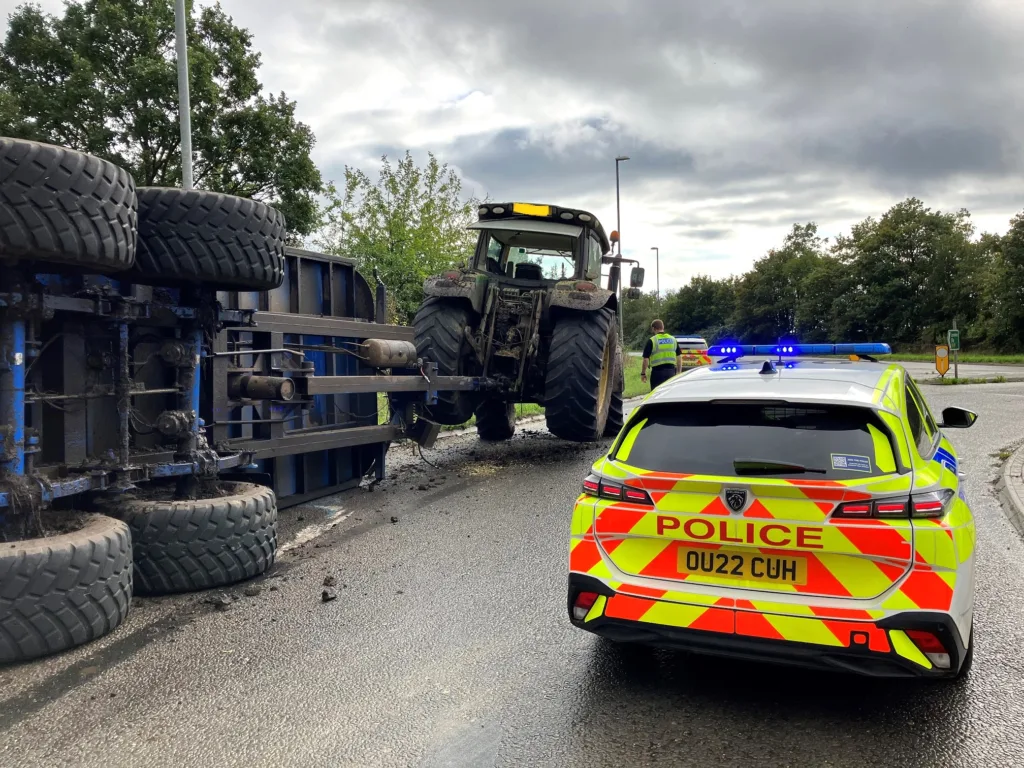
529	209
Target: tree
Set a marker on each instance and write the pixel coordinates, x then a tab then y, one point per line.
637	315
770	294
910	272
1003	314
102	79
407	225
704	307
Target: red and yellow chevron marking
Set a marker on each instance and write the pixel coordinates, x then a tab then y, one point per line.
848	558
727	616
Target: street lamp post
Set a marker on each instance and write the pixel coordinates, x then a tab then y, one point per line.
657	271
184	102
618	228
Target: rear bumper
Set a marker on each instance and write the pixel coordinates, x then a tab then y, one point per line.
867	648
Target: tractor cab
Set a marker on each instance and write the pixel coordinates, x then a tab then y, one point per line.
539	243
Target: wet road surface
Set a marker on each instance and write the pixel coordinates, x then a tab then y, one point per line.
448	645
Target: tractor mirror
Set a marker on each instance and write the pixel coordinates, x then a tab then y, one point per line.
633	293
636	277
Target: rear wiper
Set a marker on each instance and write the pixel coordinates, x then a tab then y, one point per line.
767	467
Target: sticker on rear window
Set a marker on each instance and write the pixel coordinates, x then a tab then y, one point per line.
851	463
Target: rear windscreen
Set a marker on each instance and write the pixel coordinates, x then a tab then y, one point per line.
831	442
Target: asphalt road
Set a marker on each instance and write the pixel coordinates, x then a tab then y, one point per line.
448	645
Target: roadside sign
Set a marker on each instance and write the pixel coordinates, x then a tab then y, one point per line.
954	339
942	359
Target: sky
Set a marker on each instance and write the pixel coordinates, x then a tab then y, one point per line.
740	117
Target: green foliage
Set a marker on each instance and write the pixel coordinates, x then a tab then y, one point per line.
903	278
102	79
406	225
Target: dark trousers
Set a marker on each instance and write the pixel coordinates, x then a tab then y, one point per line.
661	373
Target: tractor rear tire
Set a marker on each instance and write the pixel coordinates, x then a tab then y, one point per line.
186	546
616	417
495	420
207	238
65	207
441	338
63	591
581	375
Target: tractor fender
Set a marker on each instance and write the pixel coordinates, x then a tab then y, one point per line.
470	286
566	296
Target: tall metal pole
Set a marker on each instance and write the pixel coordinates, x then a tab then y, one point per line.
657	271
184	102
618	228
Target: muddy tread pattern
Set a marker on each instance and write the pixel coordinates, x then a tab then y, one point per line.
60	592
440	338
616	417
200	237
574	375
185	546
495	420
65	207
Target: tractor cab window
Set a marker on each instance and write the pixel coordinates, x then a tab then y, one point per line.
529	250
595	251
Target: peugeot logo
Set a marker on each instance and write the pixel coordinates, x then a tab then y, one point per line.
736	498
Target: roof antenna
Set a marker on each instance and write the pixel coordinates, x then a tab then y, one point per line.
768	368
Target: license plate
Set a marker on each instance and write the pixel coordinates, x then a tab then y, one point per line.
743	566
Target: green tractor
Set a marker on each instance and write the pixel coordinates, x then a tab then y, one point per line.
529	314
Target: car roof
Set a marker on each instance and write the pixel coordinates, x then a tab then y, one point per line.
836	382
691	338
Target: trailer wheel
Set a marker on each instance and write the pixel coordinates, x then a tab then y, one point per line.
580	375
440	338
65	207
62	591
199	237
495	420
184	546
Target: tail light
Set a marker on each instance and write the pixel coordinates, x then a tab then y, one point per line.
596	486
920	505
883	508
932	505
931	646
582	604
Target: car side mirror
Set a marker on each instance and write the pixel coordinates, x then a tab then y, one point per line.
957	418
636	277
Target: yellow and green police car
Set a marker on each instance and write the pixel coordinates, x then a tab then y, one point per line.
785	506
694	351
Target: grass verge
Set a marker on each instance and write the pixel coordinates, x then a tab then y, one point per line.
964	358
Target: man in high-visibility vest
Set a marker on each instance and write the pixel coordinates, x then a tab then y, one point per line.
663	354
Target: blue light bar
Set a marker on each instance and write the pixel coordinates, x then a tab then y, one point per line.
728	349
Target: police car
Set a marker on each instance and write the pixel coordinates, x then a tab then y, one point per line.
783	507
694	351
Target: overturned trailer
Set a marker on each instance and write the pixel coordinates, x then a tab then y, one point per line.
167	362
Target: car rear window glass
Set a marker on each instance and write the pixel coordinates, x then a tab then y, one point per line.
839	442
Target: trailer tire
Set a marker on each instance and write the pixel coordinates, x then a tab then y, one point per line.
199	237
440	326
65	207
580	375
186	546
63	591
495	420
